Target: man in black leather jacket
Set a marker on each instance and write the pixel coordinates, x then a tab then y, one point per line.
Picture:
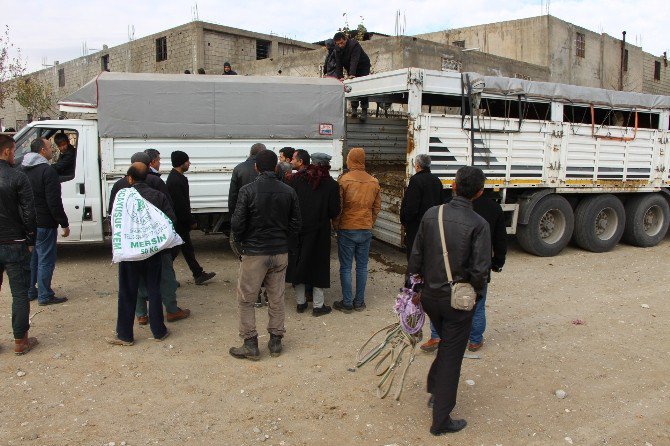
243	174
17	237
267	213
469	246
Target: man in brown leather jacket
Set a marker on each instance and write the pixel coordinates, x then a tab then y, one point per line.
360	196
468	242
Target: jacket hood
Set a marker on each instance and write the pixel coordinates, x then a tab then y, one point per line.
32	159
356	159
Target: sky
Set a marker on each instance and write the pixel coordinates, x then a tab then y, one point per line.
57	30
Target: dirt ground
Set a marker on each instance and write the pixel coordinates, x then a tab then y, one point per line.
74	389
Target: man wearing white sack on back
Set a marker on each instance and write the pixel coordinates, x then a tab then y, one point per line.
141	230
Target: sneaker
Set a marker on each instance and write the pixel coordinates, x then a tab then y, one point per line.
167	333
474	346
300	308
320	311
203	277
430	345
274	345
116	341
53	301
360	307
178	315
143	320
339	306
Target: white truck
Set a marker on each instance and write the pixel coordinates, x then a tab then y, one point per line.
215	119
565	162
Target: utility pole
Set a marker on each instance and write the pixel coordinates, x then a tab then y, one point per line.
623	56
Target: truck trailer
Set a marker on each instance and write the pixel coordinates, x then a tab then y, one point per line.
565	162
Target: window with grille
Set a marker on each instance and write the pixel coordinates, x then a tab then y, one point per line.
161	49
262	49
104	62
580	45
657	70
61	77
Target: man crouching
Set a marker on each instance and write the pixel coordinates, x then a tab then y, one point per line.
266	213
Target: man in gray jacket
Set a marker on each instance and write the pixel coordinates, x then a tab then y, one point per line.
469	248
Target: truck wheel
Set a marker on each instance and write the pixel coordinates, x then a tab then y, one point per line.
549	227
647	219
599	222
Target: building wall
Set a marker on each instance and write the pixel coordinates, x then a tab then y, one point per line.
189	47
651	85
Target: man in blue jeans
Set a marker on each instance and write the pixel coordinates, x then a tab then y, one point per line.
493	214
360	195
50	214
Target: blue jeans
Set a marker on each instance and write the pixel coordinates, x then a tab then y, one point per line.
15	259
478	320
353	243
42	265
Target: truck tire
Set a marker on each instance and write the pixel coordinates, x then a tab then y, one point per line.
599	222
647	220
549	227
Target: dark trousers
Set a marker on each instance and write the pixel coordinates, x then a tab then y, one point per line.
188	251
15	259
129	280
410	235
454	329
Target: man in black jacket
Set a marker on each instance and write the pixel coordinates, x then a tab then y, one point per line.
266	215
423	192
177	185
17	237
243	174
153	181
50	214
149	270
469	247
352	58
65	166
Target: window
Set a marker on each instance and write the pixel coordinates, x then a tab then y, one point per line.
161	49
625	60
580	45
657	70
61	77
459	43
104	62
262	49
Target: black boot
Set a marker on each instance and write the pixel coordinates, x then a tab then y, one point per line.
274	344
249	350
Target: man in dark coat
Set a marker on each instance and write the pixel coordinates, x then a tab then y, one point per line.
65	166
353	59
319	198
268	213
153	181
17	237
148	270
423	192
228	70
243	174
50	214
177	185
331	66
469	251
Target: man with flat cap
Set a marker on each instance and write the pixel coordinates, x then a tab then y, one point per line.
177	185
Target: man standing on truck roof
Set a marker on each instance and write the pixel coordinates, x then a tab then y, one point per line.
468	244
228	70
360	196
177	184
423	192
353	59
50	214
17	237
148	270
266	215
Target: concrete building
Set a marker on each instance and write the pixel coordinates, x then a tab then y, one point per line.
573	55
187	47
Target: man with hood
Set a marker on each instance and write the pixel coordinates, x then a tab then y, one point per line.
319	198
50	214
360	195
228	70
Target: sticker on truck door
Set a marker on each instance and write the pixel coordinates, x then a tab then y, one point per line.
326	129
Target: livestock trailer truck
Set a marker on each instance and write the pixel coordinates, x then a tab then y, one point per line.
215	119
565	162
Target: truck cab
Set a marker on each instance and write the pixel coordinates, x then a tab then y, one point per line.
81	195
